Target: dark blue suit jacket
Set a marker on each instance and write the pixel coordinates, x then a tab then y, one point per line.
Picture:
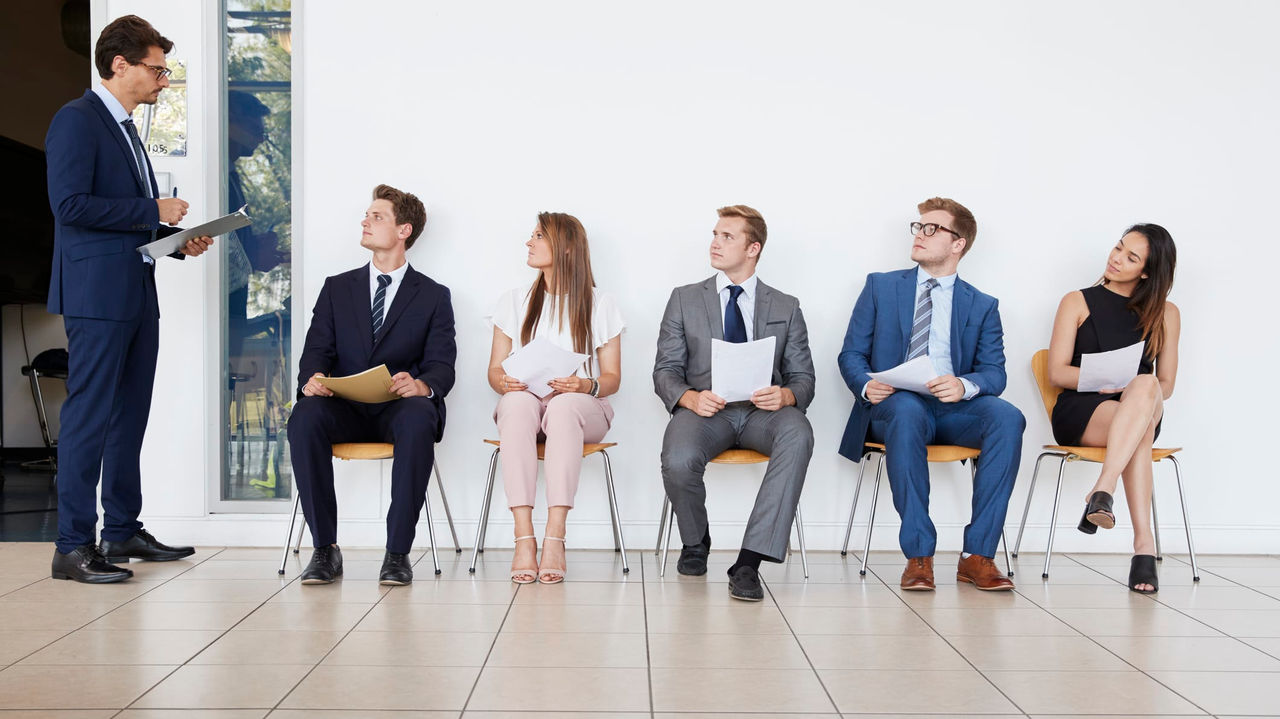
101	211
416	336
880	329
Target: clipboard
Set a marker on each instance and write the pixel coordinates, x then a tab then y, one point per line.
221	226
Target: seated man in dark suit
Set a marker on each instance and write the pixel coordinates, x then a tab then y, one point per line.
734	306
382	313
928	311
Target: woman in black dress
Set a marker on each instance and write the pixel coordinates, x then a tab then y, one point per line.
1128	305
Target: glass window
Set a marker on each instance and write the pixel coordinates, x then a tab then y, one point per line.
256	260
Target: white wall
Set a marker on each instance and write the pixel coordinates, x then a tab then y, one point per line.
1057	128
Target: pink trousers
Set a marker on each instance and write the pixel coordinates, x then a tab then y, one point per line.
566	421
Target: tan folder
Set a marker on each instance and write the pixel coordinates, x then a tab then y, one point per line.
370	386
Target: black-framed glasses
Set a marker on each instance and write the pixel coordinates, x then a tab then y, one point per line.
160	71
930	229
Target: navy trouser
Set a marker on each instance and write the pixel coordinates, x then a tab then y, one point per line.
905	422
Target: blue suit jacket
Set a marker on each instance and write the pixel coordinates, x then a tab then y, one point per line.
101	214
880	329
416	336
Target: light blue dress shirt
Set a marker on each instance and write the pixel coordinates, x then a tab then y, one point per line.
940	326
119	114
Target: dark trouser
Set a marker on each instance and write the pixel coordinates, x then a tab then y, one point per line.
905	422
692	441
317	423
110	373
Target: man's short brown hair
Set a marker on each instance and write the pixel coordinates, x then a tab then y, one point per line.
758	230
130	37
405	209
964	222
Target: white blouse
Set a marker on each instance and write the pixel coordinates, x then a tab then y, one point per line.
606	323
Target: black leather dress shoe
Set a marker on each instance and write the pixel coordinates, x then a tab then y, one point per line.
325	566
86	564
396	571
693	560
744	584
143	546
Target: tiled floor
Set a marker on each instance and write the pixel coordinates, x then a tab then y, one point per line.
223	636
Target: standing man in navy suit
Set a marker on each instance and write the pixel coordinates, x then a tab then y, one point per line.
105	205
929	311
388	313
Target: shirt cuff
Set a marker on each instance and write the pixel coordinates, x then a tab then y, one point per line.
864	391
970	389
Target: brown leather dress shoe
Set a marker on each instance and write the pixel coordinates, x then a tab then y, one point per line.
918	575
982	573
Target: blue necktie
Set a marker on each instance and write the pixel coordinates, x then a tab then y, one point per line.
140	159
735	329
379	301
922	322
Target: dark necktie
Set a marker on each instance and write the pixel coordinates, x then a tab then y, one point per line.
139	155
379	301
919	344
735	329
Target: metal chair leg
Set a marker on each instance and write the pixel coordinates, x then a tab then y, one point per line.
483	520
804	559
666	544
431	535
288	540
871	518
662	525
1186	519
297	548
457	548
1026	509
614	513
1155	524
1053	519
1008	565
848	530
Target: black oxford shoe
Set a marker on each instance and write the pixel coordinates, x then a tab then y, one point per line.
143	546
693	560
325	565
396	571
744	584
86	564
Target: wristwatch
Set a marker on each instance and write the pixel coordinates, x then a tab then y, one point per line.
595	387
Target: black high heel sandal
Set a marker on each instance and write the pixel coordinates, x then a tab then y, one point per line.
1097	513
1142	570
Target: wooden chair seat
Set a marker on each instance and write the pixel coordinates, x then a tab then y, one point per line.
1099	454
587	449
940	452
740	456
364	450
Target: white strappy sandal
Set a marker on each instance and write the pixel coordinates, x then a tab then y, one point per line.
554	576
532	574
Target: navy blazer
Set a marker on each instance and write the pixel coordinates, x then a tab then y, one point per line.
101	210
416	337
880	329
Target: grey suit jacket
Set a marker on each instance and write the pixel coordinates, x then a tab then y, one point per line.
692	320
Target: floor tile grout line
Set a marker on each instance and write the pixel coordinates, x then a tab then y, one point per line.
648	656
814	669
496	635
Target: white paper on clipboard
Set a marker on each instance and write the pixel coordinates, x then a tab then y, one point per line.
221	226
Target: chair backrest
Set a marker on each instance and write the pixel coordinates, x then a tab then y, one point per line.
1048	393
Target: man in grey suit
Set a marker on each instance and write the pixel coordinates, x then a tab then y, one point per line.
734	306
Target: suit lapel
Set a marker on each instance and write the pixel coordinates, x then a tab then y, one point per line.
906	306
116	133
409	287
712	301
961	301
363	309
764	295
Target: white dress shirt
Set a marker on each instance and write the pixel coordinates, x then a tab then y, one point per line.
746	301
397	277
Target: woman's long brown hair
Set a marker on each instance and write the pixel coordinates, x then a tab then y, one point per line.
573	294
1149	295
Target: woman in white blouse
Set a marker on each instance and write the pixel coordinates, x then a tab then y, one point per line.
562	306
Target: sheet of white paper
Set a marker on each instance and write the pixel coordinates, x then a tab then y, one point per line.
910	376
740	368
1109	370
221	226
539	362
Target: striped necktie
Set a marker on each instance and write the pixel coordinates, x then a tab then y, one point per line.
919	344
379	301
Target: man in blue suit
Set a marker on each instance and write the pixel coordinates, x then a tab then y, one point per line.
105	205
928	311
388	313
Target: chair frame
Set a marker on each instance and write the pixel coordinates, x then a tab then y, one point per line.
50	463
600	448
667	516
377	451
933	457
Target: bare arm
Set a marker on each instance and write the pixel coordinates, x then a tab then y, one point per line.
1072	311
500	351
1167	360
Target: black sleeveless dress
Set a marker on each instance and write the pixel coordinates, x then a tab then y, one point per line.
1111	325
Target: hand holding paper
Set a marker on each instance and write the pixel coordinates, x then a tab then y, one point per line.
913	376
1112	370
539	362
738	369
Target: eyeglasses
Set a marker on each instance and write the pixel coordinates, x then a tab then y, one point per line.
930	229
161	72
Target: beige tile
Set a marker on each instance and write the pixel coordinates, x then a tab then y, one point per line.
615	618
235	569
341	714
1240	622
174	615
949	595
35	687
17	644
161	571
240	646
58	713
343	592
1086	692
443	618
1210	597
328	617
1175	575
1063	571
1074	653
898	621
61	590
216	590
1216	561
1223	654
1157	621
923	653
1260	577
572	690
1270	645
113	647
193	714
1053	596
691	593
986	621
476	592
217	686
572	593
568	649
737	618
596	572
861	594
562	715
937	692
726	651
1226	692
369	688
792	572
412	649
752	715
50	616
739	690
